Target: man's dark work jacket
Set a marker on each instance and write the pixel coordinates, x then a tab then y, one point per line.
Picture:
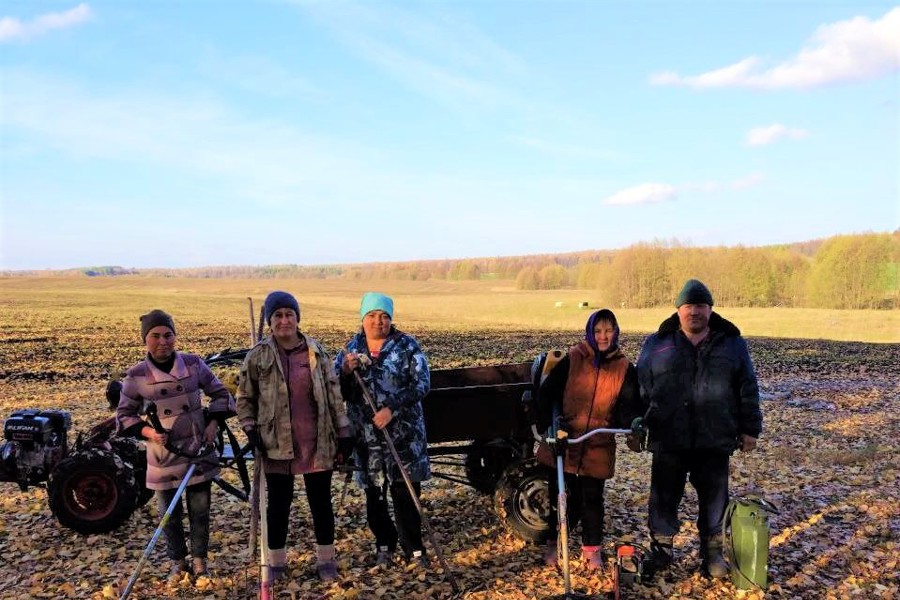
701	397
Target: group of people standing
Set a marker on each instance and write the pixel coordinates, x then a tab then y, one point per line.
304	414
695	389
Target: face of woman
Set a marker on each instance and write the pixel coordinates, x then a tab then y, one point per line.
603	335
160	343
284	325
376	325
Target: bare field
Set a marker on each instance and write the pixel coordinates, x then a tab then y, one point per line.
828	456
446	305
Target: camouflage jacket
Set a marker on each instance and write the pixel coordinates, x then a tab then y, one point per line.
398	379
263	401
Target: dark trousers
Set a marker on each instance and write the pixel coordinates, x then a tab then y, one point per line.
409	523
280	492
584	503
197	496
707	470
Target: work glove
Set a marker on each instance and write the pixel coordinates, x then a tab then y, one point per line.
345	446
637	439
639	427
255	441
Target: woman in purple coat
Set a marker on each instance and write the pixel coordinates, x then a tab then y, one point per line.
173	382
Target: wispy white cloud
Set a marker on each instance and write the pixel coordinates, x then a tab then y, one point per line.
747	182
650	193
566	150
428	77
434	54
263	160
257	74
762	136
13	29
858	49
645	193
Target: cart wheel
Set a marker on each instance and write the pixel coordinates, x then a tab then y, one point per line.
486	462
522	500
93	491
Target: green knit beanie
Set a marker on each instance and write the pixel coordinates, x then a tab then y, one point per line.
694	292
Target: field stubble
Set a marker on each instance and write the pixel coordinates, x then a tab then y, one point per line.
828	458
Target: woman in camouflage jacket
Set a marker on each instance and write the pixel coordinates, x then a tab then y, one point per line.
290	407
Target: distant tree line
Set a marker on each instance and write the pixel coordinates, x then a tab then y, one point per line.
846	271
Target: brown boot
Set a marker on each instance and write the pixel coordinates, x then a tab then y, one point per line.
200	569
177	570
713	562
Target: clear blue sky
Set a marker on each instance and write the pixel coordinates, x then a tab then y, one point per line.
177	134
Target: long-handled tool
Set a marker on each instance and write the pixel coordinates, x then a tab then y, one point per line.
201	452
259	528
559	442
253	337
412	492
266	591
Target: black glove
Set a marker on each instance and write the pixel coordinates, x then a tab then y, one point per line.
345	446
255	441
639	427
637	439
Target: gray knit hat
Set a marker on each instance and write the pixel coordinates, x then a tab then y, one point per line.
277	300
694	292
155	318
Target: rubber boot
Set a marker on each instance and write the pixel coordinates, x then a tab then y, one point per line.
419	558
277	565
326	568
713	562
384	556
662	553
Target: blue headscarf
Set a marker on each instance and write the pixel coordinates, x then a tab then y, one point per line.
604	314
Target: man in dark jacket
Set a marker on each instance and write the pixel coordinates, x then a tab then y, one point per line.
697	376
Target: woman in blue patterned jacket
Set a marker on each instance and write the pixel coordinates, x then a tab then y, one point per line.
395	371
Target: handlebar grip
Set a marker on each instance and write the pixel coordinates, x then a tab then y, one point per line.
153	416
